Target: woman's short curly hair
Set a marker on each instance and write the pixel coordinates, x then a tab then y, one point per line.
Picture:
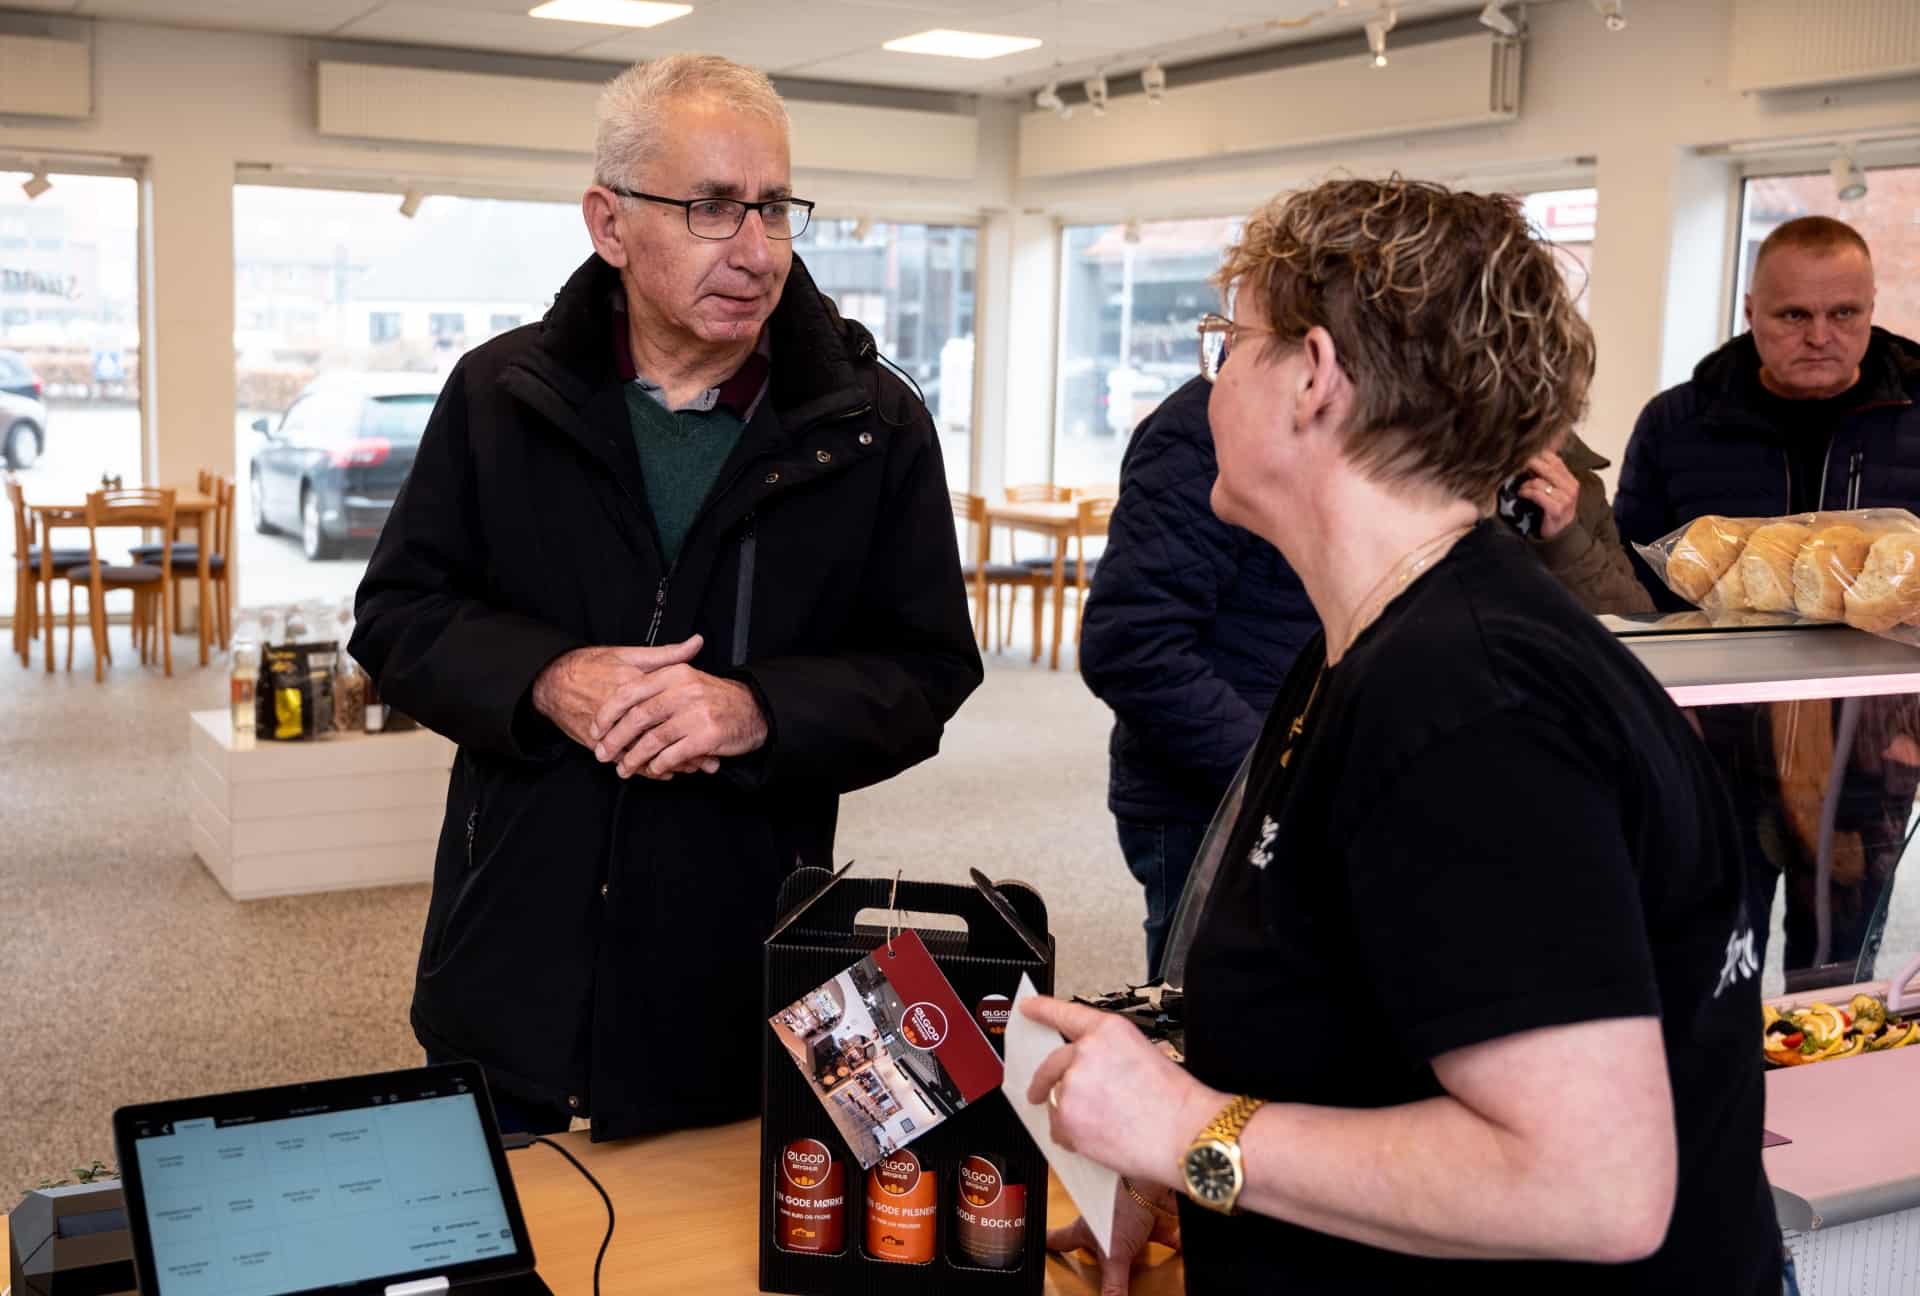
1447	312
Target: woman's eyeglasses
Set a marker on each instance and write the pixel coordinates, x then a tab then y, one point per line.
1217	336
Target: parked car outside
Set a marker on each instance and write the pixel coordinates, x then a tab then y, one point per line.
23	412
329	471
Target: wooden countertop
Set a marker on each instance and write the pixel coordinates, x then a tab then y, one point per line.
689	1216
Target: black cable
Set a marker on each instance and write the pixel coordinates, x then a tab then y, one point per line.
511	1142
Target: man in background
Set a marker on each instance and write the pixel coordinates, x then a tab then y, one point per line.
1191	626
1812	409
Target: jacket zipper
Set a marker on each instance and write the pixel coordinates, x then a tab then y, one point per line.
659	608
473	827
748	543
1826	462
1853	478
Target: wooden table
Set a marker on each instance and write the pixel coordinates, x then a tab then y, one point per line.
1058	520
190	509
689	1218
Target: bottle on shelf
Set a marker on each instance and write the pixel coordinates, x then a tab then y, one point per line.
245	679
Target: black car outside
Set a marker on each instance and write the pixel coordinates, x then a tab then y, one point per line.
330	471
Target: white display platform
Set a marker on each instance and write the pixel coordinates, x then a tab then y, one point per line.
345	812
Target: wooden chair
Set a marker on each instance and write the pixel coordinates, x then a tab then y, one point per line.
27	574
1091	516
186	557
1002	578
1034	493
152	584
1039	493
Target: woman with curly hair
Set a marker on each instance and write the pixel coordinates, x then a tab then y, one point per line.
1471	996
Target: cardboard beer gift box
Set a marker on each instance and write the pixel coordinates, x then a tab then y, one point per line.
841	1036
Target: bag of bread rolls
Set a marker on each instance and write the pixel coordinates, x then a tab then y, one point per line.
1857	566
1887	591
1766	565
1827	565
1705	552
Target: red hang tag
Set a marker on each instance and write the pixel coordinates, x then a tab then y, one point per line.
888	1048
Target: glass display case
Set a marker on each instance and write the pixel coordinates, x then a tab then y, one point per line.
1817	729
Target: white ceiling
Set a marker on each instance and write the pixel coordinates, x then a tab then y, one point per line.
833	40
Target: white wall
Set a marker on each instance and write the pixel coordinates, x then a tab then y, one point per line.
1632	110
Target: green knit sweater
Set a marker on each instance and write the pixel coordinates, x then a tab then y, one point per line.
681	453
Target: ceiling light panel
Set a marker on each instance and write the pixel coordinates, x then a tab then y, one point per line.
945	43
611	13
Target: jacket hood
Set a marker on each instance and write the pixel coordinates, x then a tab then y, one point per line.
819	358
1889	372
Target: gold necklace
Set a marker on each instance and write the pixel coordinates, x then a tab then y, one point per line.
1390	586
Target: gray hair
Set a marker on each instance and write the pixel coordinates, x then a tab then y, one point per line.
632	109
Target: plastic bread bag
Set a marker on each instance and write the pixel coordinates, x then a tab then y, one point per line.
1856	566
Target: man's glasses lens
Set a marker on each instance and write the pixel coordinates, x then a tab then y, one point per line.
721	218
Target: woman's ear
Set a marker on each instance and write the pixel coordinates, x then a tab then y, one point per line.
1324	391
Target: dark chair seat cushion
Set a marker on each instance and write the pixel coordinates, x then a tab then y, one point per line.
996	572
139	575
62	558
1043	568
146	553
186	557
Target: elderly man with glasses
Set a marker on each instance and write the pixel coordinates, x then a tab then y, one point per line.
675	568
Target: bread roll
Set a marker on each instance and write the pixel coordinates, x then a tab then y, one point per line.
1729	593
1827	565
1766	565
1710	546
1888	590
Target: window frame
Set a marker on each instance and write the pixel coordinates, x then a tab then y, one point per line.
1808	161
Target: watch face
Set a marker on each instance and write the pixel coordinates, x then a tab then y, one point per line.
1210	1174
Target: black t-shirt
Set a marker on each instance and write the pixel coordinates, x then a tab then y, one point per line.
1805	429
1495	821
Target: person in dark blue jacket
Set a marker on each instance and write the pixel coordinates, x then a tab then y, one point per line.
1813	408
1191	626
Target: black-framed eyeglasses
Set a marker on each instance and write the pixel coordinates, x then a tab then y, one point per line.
1217	336
721	218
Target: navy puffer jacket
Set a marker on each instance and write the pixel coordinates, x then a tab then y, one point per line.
1191	624
1705	447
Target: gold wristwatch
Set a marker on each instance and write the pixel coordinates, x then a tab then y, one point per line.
1211	1167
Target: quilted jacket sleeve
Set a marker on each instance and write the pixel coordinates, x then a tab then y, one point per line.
1155	594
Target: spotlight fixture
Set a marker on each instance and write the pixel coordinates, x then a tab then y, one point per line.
862	228
35	185
1096	88
410	203
1614	12
1049	100
1131	231
1495	18
1153	79
1849	181
1377	29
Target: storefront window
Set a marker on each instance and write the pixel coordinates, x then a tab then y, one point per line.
69	344
912	286
1129	308
1567	218
1887	216
348	318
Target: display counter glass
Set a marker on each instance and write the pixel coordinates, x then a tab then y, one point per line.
1817	730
